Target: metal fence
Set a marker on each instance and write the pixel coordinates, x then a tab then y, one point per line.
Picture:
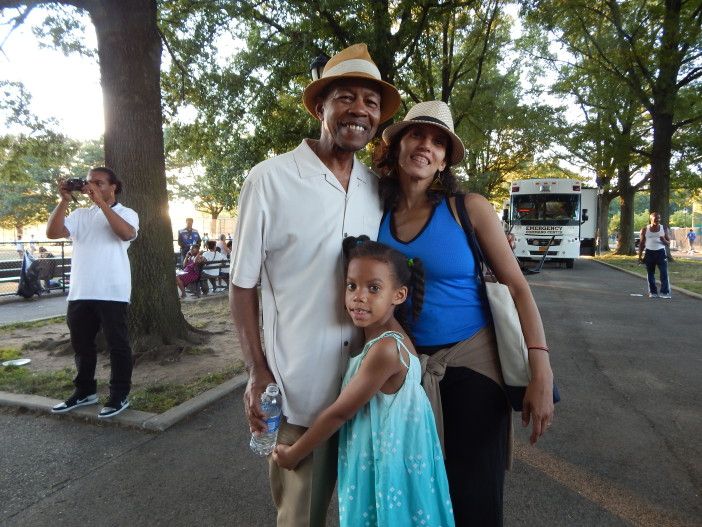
54	258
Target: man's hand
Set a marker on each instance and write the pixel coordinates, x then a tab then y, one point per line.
64	192
93	192
259	379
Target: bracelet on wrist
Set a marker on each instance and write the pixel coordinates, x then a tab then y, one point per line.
544	348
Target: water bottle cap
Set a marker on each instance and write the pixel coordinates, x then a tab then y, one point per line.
272	389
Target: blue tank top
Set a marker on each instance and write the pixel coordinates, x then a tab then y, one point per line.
453	309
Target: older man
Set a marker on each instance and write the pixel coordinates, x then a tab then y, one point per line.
294	211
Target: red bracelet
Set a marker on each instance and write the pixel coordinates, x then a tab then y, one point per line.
539	348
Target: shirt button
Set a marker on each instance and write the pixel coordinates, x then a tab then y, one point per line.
346	343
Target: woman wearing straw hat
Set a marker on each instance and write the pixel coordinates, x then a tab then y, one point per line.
453	332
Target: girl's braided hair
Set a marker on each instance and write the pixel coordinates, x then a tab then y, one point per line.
408	272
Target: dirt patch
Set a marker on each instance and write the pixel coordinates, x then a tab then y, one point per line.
219	350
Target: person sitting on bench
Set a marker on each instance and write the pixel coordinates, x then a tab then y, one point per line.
211	272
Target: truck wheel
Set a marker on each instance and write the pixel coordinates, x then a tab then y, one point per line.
569	263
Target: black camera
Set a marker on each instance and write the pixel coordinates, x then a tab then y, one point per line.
75	184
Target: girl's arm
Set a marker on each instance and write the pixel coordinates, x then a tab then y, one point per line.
538	401
378	366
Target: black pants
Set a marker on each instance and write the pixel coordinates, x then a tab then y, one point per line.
85	317
476	428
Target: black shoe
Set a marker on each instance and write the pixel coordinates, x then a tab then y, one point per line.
74	401
113	407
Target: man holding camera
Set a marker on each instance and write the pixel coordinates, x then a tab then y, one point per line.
100	285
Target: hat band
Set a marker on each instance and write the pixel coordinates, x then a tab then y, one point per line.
353	66
431	119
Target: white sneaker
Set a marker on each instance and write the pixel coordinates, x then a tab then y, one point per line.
653	295
664	295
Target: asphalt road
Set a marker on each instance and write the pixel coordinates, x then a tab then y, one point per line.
624	449
15	309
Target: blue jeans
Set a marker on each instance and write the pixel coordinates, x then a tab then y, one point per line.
653	259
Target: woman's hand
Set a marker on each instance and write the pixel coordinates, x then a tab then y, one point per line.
538	406
283	456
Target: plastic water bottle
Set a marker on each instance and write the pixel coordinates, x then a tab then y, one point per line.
271	405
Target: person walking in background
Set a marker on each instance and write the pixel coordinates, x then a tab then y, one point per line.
382	402
294	211
691	237
453	333
32	244
187	238
101	285
655	240
19	246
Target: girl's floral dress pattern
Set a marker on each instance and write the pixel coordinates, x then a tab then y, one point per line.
391	469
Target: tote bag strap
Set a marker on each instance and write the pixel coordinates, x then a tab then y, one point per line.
468	229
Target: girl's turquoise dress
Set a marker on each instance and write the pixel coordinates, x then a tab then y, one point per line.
391	470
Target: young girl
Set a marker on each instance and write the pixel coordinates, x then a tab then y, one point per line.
391	469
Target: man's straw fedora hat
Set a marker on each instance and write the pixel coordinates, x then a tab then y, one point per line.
353	62
435	113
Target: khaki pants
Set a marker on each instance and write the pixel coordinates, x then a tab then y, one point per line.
302	496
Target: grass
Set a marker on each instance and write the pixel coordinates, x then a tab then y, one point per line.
161	397
156	398
55	384
9	354
31	325
683	272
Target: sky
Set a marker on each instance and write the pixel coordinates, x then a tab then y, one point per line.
66	88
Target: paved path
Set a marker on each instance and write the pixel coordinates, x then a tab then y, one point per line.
15	309
624	448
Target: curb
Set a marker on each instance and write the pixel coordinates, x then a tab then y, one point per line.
632	273
129	418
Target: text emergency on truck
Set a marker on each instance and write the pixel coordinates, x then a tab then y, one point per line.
552	216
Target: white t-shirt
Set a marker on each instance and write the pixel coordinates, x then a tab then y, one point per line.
212	256
293	216
99	265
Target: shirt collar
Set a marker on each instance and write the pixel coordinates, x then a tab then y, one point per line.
309	165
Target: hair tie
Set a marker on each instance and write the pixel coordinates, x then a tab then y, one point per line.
410	262
359	242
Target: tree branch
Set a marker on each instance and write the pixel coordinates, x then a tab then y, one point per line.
686	122
695	74
176	61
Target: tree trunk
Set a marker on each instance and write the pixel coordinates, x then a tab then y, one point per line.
129	49
602	221
626	221
665	94
213	225
661	151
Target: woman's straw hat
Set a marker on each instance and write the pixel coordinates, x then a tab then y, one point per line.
436	113
353	62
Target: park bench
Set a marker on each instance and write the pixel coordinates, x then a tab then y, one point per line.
52	268
203	284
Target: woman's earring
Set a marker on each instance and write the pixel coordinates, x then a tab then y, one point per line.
437	184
